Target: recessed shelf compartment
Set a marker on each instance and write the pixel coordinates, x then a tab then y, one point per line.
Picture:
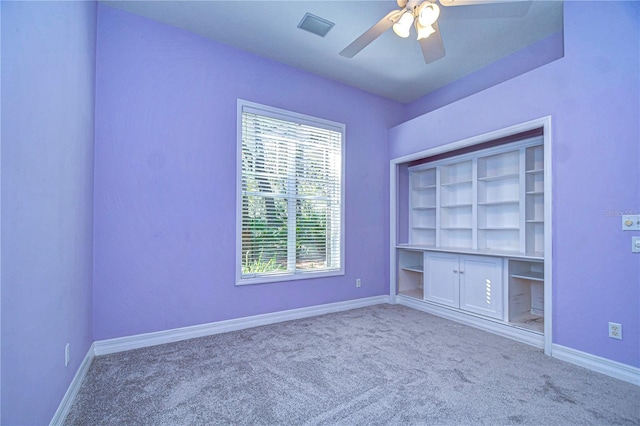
526	294
456	173
423	198
500	215
499	165
535	158
411	273
456	237
423	237
499	239
461	193
491	191
423	179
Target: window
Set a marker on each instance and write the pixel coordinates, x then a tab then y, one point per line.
289	195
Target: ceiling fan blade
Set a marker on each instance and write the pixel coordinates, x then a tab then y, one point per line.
472	2
432	46
371	34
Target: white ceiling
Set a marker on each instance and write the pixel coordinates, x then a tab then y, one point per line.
474	36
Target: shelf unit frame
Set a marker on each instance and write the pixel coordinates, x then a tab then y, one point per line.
544	179
487	200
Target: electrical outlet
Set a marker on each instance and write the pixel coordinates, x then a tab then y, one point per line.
358	282
66	355
615	331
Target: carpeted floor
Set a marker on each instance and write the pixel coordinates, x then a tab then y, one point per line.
381	365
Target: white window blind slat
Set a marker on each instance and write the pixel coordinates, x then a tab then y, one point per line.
291	194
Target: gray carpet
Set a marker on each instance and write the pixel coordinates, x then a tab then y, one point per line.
381	365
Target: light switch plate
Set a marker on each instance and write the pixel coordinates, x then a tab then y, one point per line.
635	244
631	222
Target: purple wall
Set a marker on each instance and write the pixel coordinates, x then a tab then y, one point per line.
540	53
165	178
592	95
48	71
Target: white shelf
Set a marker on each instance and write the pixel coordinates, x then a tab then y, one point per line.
500	177
414	293
416	268
530	322
499	203
529	275
455	206
457	183
499	228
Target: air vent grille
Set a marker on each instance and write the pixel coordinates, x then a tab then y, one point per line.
315	24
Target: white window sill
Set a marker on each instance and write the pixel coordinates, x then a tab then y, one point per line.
299	276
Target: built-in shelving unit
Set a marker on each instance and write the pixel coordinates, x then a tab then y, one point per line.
475	240
491	201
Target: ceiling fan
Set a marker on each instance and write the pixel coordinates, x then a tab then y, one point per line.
423	15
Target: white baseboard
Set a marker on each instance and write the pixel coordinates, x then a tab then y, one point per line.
103	347
605	366
74	387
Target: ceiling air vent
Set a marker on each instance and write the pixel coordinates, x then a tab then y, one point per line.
315	24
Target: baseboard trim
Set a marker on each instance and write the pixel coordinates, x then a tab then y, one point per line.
120	344
598	364
524	336
65	405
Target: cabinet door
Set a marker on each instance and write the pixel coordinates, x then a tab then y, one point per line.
441	279
481	285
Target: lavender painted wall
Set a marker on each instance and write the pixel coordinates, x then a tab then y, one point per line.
48	71
540	53
592	95
165	178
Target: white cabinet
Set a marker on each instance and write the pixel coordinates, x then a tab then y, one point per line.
481	285
470	283
441	279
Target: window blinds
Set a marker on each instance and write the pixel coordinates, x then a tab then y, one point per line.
291	195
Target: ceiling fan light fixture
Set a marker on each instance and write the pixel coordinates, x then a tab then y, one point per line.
403	26
424	32
428	14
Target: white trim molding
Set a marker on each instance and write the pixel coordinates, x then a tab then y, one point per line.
68	398
598	364
120	344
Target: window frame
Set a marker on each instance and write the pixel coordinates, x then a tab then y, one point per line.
294	117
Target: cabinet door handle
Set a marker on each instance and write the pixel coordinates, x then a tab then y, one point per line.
455	271
462	272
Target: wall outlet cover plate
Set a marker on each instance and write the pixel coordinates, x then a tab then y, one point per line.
631	222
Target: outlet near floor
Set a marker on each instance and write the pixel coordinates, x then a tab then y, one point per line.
358	282
615	330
